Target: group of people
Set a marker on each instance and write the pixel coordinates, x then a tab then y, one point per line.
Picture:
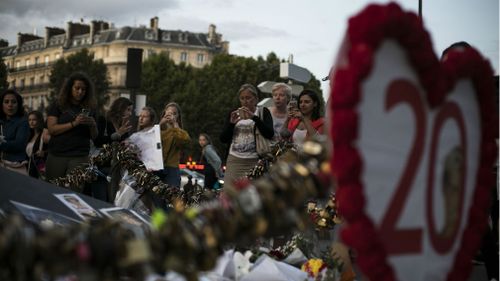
74	127
290	119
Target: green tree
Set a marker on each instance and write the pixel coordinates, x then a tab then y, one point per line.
3	76
81	61
162	79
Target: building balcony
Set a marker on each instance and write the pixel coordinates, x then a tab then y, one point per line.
31	67
33	88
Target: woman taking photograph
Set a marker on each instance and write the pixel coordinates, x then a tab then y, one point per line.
239	132
14	132
71	125
211	162
37	145
173	139
305	122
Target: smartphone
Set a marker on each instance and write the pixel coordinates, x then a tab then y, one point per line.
85	112
241	112
292	104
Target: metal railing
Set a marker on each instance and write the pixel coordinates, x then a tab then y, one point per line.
30	67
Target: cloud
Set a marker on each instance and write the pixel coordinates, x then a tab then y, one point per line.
25	15
22	8
241	30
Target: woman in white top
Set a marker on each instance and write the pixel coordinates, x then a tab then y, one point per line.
239	132
282	93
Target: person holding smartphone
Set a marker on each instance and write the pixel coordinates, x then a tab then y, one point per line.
71	124
239	133
304	118
174	138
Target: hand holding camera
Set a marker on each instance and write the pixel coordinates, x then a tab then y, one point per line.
293	110
292	105
170	119
244	113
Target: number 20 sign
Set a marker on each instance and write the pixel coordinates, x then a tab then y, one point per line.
414	146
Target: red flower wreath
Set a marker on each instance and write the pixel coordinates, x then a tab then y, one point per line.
365	33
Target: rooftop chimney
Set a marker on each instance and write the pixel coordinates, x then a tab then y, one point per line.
154	23
96	26
212	35
74	29
49	32
4	43
25	37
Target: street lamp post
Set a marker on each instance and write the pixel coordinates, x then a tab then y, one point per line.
420	8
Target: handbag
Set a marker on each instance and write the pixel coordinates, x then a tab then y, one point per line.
262	144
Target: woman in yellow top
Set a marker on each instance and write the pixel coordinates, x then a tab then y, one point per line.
173	139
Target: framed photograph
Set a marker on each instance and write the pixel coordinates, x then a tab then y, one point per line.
77	205
125	215
42	217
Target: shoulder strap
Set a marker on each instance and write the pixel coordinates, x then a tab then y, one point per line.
40	145
260	112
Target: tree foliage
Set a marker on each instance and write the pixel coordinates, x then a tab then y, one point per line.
208	94
3	76
81	61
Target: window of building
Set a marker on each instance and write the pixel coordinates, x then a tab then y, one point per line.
18	64
165	36
42	79
47	59
13	82
149	35
32	81
200	58
184	56
22	84
27	63
37	60
58	56
151	52
183	37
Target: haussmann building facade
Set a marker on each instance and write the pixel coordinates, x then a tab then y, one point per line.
29	63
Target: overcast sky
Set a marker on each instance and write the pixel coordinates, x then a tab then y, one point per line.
310	30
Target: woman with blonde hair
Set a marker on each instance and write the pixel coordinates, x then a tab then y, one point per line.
282	94
239	132
173	139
